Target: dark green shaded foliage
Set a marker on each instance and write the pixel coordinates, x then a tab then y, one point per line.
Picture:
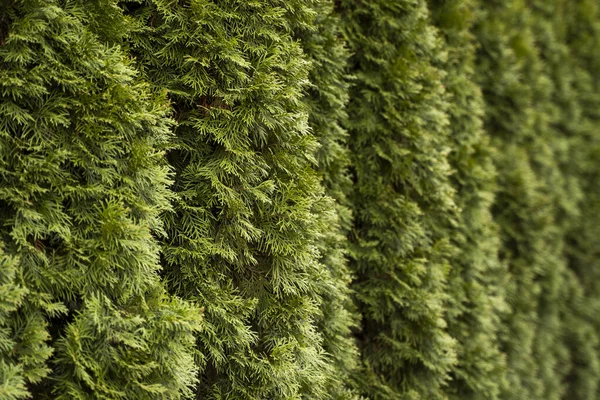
324	46
249	215
578	28
82	186
477	278
565	331
520	115
402	198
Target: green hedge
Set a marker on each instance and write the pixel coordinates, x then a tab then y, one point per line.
84	181
300	199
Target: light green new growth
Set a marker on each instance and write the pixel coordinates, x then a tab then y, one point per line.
83	184
244	238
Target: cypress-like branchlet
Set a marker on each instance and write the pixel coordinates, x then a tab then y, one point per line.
300	199
402	198
324	47
82	186
477	278
244	238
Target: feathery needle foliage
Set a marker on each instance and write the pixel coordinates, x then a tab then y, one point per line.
82	187
243	240
299	199
402	198
477	277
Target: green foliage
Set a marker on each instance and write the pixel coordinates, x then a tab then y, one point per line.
23	334
402	198
520	115
249	215
383	199
477	278
83	183
327	98
565	332
578	30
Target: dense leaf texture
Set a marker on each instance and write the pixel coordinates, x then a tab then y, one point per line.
520	115
248	221
577	71
477	278
300	199
327	96
402	199
82	183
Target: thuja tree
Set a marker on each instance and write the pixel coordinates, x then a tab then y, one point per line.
477	278
579	27
243	239
83	183
327	97
519	117
575	372
402	198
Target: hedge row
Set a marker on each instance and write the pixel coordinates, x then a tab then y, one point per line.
300	199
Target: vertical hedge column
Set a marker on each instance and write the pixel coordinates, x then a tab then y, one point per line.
477	279
327	97
579	27
519	116
402	199
565	336
82	186
243	240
